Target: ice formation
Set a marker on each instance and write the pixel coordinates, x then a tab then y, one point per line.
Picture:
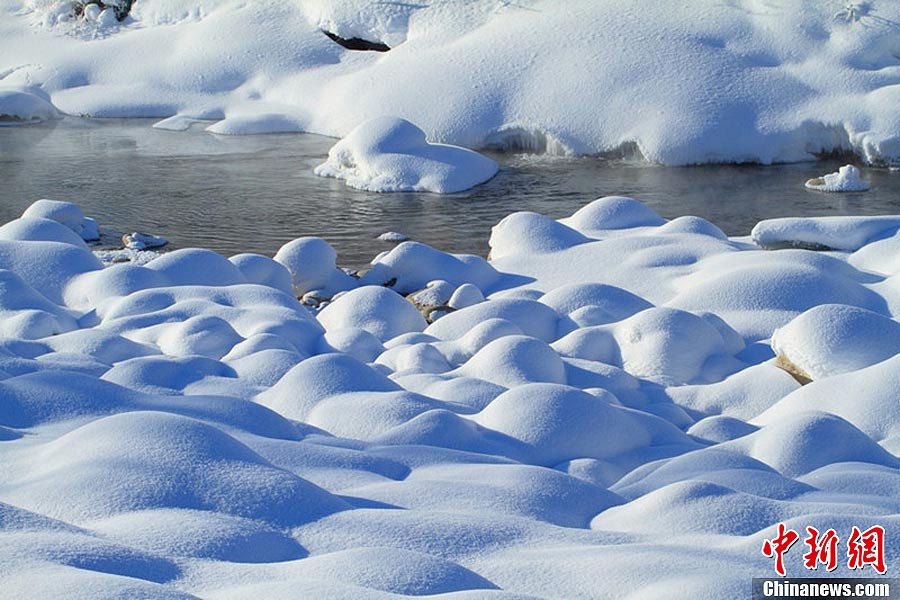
186	427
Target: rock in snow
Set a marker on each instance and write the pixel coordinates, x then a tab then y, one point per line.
388	154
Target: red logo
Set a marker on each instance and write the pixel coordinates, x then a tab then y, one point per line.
863	548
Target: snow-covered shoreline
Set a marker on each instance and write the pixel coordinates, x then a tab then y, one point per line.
597	411
735	83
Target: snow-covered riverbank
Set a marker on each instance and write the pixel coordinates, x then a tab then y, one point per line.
697	82
609	422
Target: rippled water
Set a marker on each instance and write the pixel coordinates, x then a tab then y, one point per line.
253	193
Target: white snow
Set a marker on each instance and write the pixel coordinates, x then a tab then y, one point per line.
839	233
187	426
831	338
389	154
731	82
25	104
595	412
846	179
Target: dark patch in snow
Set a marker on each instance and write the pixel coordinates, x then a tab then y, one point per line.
356	43
121	7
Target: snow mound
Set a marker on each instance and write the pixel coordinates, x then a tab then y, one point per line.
64	213
263	270
319	377
612	212
756	292
830	339
196	266
562	423
694	507
846	179
533	233
514	360
870	407
388	154
660	344
25	105
257	123
411	266
587	304
312	265
364	416
35	229
532	318
380	311
803	442
164	461
200	534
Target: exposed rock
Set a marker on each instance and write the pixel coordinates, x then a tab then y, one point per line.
846	179
433	301
356	43
784	363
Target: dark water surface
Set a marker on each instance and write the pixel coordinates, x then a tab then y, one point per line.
254	193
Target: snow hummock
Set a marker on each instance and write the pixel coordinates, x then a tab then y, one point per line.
186	427
388	154
846	179
25	104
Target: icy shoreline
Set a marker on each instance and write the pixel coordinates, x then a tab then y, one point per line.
187	426
730	83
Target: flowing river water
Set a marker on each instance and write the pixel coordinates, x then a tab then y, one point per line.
254	193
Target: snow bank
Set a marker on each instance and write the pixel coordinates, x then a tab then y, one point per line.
822	233
727	84
25	105
391	155
188	426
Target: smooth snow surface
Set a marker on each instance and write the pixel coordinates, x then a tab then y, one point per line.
527	427
391	155
703	81
25	105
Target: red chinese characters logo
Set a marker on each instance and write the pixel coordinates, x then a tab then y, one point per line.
779	546
863	548
821	550
866	548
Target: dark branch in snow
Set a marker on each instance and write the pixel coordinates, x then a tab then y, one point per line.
356	43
